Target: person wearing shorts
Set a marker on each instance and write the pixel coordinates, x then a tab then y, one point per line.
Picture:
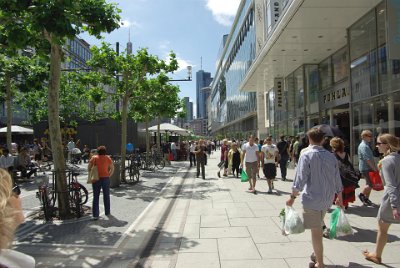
269	155
251	157
366	164
318	180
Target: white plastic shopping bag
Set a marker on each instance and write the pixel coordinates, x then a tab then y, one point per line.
292	223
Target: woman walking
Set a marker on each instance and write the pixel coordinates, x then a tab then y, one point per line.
347	172
389	211
105	169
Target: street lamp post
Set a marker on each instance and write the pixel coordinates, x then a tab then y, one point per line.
189	77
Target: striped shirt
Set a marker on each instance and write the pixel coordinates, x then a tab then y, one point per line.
317	177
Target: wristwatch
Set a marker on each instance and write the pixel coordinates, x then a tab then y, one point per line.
293	196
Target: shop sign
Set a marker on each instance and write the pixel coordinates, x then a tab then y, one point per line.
393	26
334	97
278	86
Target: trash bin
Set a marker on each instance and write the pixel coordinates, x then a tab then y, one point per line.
115	178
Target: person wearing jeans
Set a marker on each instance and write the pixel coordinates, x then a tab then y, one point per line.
105	168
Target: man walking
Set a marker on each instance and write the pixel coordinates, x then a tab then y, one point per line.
201	156
251	157
192	157
318	180
366	164
283	148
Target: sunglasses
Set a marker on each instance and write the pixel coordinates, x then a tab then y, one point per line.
16	190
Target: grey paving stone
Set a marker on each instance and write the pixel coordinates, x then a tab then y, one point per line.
197	260
237	249
224	232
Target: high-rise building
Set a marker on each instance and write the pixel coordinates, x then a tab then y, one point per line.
203	79
189	109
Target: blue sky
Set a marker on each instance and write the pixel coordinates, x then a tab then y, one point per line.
193	29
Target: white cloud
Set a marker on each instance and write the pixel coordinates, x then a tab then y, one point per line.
223	10
183	64
130	24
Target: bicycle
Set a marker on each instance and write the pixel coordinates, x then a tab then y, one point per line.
46	196
78	194
158	159
132	170
147	161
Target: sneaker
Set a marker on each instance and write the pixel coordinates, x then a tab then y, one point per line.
269	191
95	218
362	198
251	190
283	179
367	202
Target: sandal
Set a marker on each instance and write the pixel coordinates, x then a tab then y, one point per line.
374	259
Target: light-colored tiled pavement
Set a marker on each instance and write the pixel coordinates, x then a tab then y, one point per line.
217	223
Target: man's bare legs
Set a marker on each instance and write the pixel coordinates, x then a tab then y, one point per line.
316	237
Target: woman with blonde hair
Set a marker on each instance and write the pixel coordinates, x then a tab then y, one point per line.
389	210
10	218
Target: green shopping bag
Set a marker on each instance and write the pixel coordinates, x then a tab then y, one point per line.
334	220
243	176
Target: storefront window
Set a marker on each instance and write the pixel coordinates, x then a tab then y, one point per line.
312	86
325	73
299	92
340	65
363	36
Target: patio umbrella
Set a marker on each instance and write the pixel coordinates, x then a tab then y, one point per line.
17	130
330	131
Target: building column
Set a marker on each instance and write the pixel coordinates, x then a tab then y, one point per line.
391	120
331	117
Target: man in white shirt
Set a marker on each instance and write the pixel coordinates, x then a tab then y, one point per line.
251	157
7	161
192	157
269	154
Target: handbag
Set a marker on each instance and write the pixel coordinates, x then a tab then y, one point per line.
376	180
93	175
170	157
221	164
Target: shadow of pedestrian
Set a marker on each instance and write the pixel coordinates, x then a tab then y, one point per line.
364	235
355	265
110	221
363	211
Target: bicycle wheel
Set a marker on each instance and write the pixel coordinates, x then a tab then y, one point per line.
160	163
83	192
135	173
47	209
130	173
77	201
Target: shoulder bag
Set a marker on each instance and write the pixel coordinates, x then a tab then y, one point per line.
93	175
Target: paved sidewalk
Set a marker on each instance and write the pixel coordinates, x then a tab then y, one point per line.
217	223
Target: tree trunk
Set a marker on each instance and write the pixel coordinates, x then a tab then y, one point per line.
55	131
147	135
158	133
9	112
124	122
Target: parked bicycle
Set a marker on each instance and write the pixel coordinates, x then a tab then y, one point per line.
46	196
77	193
132	171
158	158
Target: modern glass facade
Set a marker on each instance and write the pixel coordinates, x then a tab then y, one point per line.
355	88
78	52
233	111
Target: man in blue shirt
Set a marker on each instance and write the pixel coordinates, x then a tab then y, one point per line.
366	163
318	180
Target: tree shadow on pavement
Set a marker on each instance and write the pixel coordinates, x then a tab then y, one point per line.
110	221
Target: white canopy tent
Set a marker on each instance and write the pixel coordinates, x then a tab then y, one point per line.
166	127
17	130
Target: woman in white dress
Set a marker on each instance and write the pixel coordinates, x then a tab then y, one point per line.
10	218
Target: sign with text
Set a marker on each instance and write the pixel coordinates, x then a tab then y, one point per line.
278	88
335	96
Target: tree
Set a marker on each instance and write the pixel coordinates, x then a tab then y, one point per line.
19	74
128	73
55	21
